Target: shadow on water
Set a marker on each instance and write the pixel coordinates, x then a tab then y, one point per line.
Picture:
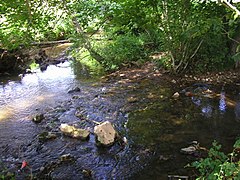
156	125
168	125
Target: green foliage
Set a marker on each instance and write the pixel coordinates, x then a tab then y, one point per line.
191	32
218	165
135	16
22	22
188	33
213	54
84	65
123	49
7	177
194	34
33	66
4	174
236	56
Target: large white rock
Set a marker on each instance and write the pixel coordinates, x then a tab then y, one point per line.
74	132
105	133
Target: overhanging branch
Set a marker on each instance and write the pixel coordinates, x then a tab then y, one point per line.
230	6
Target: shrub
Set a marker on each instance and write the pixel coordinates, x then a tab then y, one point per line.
218	165
122	49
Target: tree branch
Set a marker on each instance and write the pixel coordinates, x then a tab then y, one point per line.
195	52
86	43
230	6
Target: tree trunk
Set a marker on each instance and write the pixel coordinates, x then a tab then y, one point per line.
234	50
86	43
49	43
236	40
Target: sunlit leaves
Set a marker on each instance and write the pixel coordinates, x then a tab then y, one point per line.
24	21
192	33
218	165
237	144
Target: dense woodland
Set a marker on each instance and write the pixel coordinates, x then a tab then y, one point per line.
195	35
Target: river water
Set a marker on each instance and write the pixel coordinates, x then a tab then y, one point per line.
156	125
22	97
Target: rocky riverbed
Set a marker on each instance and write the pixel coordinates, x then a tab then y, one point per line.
52	155
152	126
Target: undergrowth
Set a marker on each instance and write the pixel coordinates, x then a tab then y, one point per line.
218	165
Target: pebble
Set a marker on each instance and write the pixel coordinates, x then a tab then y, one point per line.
176	95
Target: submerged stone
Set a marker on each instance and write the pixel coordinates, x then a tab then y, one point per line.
44	136
176	95
188	150
194	146
74	132
38	118
66	157
76	89
105	133
132	99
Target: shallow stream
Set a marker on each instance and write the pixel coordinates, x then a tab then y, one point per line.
155	124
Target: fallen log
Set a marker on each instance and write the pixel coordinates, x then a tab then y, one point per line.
49	43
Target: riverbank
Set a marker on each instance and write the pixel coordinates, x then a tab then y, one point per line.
19	61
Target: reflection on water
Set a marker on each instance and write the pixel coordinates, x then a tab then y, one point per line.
22	97
169	125
197	100
207	111
205	101
34	90
5	113
87	70
204	104
161	125
222	102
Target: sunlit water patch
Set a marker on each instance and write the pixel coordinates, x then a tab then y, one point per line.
34	90
23	97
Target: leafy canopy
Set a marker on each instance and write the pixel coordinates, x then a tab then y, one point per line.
194	35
